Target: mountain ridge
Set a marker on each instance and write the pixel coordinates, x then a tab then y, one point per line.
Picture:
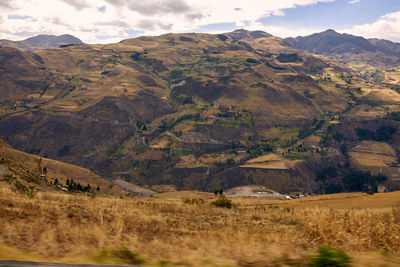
334	44
187	109
42	41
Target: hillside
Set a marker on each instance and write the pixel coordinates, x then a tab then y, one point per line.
42	42
27	174
188	109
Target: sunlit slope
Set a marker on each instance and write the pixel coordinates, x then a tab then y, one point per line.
41	173
170	100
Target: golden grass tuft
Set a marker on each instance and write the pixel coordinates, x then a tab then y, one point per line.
61	227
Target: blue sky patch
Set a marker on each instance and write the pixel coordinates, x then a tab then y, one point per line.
19	17
336	15
133	33
102	9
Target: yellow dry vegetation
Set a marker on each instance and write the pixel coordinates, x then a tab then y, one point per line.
212	158
370	160
168	232
373	154
376	147
383	95
160	144
55	170
184	195
270	161
264	158
312	140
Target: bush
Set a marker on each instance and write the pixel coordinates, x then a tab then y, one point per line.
332	257
222	202
285	58
128	256
30	191
370	192
121	255
252	60
222	37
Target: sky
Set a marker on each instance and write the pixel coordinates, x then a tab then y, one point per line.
108	21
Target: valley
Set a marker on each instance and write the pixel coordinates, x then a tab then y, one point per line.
235	149
196	111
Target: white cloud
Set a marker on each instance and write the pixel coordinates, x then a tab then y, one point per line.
83	18
6	4
78	4
386	27
354	1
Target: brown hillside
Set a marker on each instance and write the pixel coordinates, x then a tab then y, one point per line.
29	169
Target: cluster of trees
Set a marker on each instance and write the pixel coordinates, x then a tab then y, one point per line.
383	133
309	129
71	185
336	180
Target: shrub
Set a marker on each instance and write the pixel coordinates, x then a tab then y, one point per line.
285	58
330	257
30	191
128	256
121	255
222	202
222	37
252	60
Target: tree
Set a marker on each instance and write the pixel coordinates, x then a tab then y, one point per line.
87	188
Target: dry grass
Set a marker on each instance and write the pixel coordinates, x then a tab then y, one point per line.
271	161
184	195
55	170
72	228
376	147
371	160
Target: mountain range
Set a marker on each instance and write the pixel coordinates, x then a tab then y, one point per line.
208	111
42	42
336	45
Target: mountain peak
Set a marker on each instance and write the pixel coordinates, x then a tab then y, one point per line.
47	41
330	32
331	42
245	34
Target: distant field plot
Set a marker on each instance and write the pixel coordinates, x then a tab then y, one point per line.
373	154
270	161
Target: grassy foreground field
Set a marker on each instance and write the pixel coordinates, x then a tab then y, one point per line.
169	232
